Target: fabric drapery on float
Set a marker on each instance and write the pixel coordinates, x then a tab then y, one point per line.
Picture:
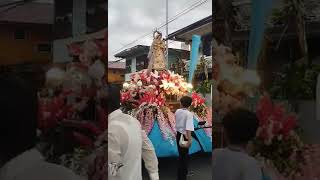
165	148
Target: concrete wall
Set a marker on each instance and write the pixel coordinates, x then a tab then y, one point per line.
308	122
60	50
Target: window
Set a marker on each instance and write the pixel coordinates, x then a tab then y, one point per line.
44	48
20	34
128	65
141	62
63	18
97	15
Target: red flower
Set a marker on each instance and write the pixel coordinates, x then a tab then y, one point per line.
278	112
276	128
264	109
125	96
83	140
289	124
262	133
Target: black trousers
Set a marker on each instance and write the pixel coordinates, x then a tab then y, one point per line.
182	160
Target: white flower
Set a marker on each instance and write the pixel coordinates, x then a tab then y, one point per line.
155	74
139	83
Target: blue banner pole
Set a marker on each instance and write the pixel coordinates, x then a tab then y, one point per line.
260	10
194	55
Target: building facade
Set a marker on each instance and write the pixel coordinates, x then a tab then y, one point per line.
77	21
116	72
24	37
202	28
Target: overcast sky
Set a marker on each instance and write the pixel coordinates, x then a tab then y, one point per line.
129	20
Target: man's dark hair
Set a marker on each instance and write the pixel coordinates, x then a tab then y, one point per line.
112	101
186	101
241	125
18	110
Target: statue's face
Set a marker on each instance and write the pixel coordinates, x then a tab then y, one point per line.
158	35
149	113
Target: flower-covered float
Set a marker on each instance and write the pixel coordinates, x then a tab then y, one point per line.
71	117
153	95
278	144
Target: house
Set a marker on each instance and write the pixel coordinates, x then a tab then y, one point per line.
76	22
116	72
26	39
26	33
202	28
137	58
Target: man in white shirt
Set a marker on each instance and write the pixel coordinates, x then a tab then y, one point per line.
19	159
127	144
233	162
184	127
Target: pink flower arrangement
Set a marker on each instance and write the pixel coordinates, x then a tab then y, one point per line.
152	87
277	140
198	105
274	121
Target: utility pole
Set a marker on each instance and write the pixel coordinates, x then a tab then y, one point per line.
167	31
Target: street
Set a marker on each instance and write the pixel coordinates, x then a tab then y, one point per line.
200	164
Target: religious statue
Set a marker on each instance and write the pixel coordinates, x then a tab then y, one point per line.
156	54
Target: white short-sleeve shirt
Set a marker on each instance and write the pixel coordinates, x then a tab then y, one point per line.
184	121
233	165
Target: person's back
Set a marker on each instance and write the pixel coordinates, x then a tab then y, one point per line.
128	130
233	162
182	117
30	165
234	165
19	159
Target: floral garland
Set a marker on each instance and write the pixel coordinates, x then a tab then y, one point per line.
147	114
152	88
277	142
198	105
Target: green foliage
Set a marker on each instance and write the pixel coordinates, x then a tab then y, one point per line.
204	88
295	82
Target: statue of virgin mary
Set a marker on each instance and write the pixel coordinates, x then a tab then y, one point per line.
156	54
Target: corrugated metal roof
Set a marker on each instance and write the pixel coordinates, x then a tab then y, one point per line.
31	12
202	26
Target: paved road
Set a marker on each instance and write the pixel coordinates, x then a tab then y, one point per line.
200	164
